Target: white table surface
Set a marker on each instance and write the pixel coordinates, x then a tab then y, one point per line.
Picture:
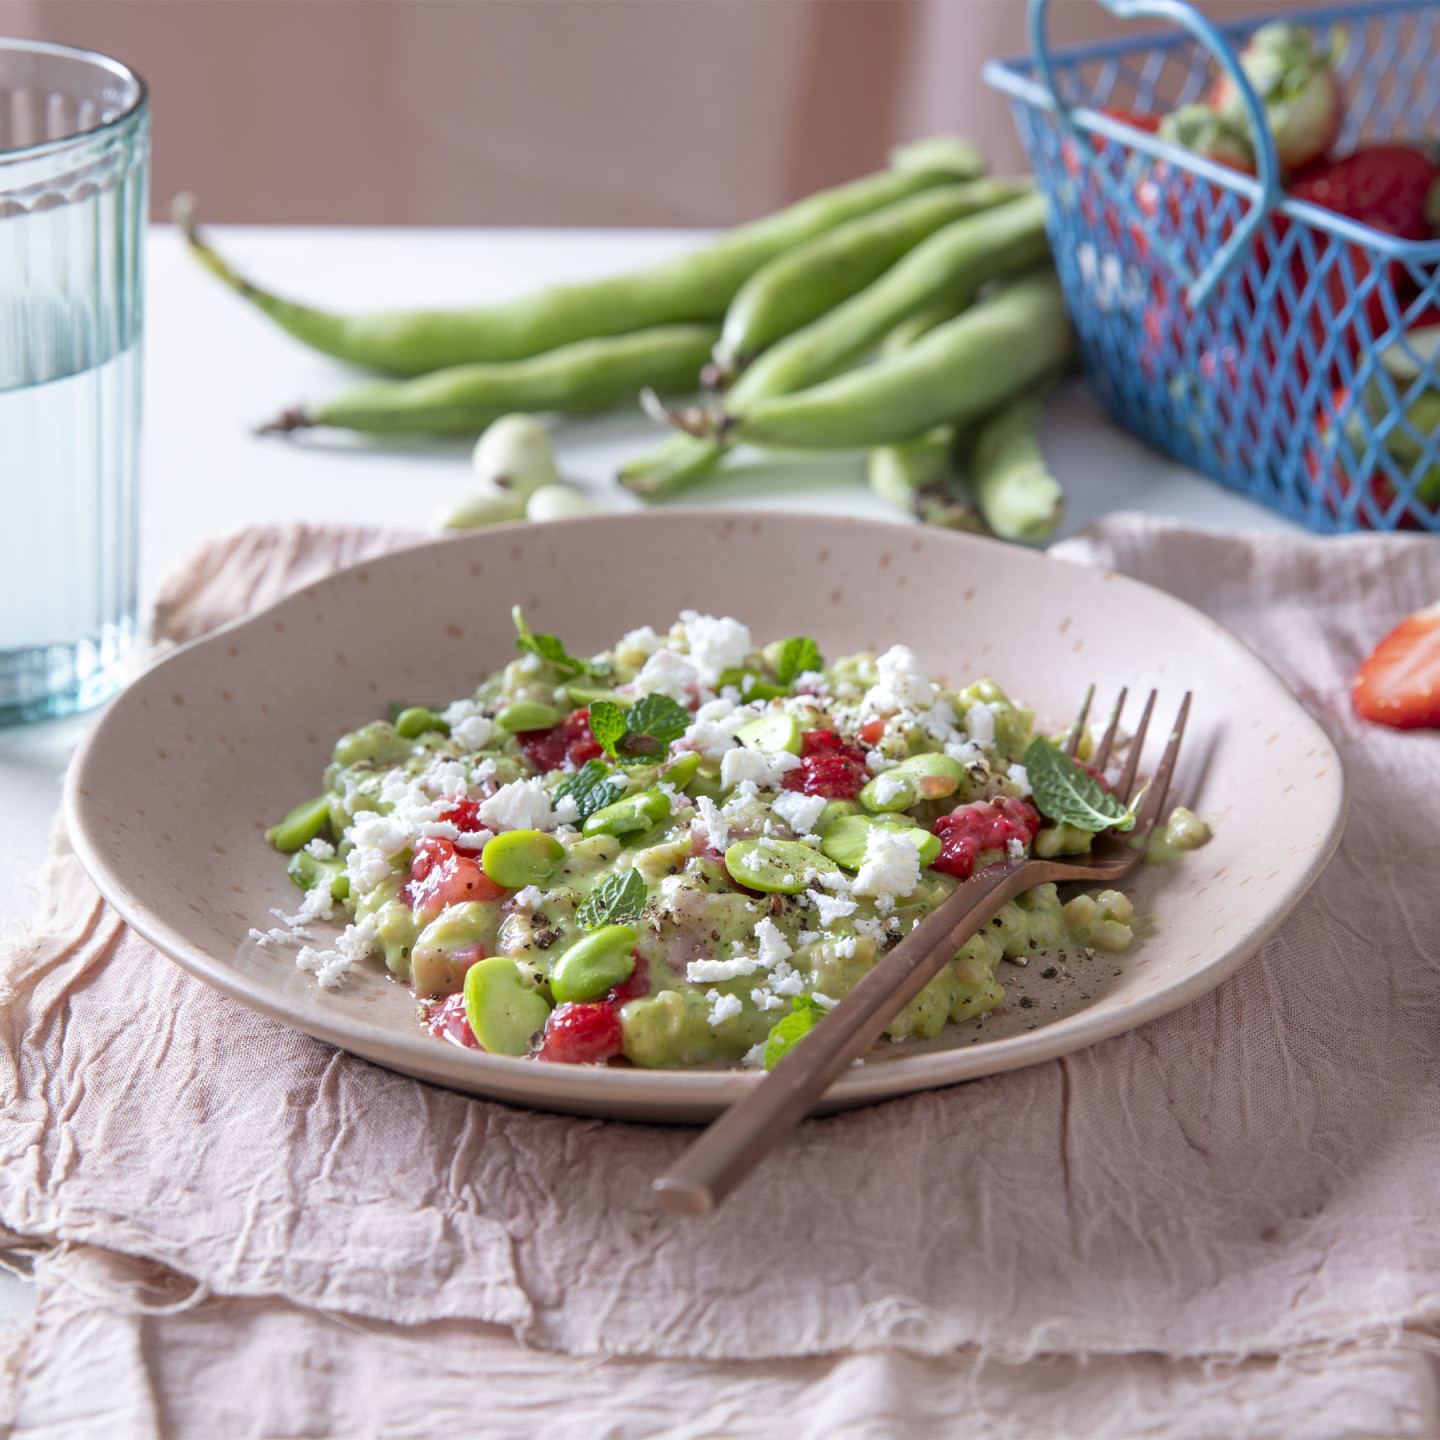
215	368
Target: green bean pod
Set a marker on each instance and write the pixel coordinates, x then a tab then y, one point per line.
940	275
588	375
800	285
1018	496
959	371
692	287
922	478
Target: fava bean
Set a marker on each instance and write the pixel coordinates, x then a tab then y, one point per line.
560	502
775	733
485	506
301	825
846	840
594	965
308	871
681	770
514	455
776	866
632	815
503	1008
415	720
522	857
588	375
527	715
921	777
695	286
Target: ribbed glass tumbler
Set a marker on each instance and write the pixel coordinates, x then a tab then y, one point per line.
74	166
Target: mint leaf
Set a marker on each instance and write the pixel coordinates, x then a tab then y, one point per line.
550	649
644	730
1067	793
592	787
805	1014
658	716
607	725
797	655
615	899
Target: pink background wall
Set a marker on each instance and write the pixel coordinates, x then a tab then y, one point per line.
604	112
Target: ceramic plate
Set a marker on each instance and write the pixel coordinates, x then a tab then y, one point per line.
169	797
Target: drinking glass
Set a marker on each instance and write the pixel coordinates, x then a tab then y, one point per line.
74	169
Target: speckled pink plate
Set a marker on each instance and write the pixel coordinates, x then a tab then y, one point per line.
168	798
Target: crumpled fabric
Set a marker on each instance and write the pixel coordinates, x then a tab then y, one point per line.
1249	1180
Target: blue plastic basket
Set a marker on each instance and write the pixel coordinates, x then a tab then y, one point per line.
1237	329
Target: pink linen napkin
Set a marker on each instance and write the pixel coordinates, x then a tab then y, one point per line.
1252	1176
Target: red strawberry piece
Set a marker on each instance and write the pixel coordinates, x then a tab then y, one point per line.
829	766
582	1034
984	825
1399	685
566	746
448	1022
1388	187
636	986
441	876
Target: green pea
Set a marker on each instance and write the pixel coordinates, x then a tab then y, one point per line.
301	825
307	872
774	733
527	715
632	815
846	840
522	857
775	866
594	965
681	771
415	720
504	1010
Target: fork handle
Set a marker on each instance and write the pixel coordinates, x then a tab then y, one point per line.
730	1148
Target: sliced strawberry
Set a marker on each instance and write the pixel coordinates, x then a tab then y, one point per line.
1399	685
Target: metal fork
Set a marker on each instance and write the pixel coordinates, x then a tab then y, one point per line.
730	1148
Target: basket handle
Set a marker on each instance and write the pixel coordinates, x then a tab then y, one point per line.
1264	190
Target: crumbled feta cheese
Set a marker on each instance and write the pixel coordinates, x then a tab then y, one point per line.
712	822
902	684
520	805
709	972
836	880
713	738
358	940
791	984
666	673
765	998
966	753
773	946
811	682
473	732
458	711
754	1058
808	937
1015	848
825	1001
474	839
1020	777
643	641
845	947
938	721
329	967
799	812
735	806
320	849
833	908
877	761
890	787
871	929
529	897
891	868
723	1007
980	723
765	771
715	644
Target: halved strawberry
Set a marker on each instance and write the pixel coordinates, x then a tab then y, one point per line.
1399	685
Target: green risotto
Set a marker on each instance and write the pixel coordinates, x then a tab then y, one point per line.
684	850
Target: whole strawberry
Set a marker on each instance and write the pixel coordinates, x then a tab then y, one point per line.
1394	188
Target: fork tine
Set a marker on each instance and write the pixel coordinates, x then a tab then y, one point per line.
1102	752
1160	782
1077	727
1132	763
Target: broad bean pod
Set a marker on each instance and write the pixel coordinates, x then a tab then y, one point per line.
693	287
588	375
959	371
801	284
943	272
1017	494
